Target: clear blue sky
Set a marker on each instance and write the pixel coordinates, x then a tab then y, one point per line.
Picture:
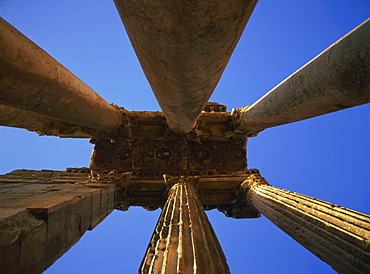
326	157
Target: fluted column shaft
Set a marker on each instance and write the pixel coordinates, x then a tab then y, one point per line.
183	240
337	235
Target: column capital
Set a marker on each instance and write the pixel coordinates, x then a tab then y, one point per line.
337	235
183	240
172	181
242	207
253	179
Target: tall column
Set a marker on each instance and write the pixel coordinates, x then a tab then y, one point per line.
31	80
41	124
183	240
336	79
183	48
337	235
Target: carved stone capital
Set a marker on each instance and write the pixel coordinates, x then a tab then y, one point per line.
172	181
183	240
337	235
238	125
242	208
120	180
254	179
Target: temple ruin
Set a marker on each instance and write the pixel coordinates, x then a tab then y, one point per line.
186	159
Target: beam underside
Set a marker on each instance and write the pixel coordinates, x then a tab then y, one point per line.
41	124
336	79
31	80
183	48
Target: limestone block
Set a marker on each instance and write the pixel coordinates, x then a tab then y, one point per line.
22	242
78	218
95	209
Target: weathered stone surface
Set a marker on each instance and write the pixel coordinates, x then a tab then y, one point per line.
9	240
41	124
337	235
336	79
10	253
78	218
150	149
96	201
56	219
46	86
183	240
43	213
183	48
20	233
218	191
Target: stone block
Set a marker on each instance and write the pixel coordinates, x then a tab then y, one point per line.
9	257
33	248
95	208
111	198
9	241
55	216
78	218
40	222
23	242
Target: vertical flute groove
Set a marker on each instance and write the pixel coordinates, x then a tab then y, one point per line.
338	236
183	240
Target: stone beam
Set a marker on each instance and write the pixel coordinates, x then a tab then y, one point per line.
183	48
32	80
43	125
336	79
148	148
183	240
44	213
337	235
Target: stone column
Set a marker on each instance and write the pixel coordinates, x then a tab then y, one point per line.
183	240
183	48
337	235
31	80
41	124
336	79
